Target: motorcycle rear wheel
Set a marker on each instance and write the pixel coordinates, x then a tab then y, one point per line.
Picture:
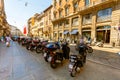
53	65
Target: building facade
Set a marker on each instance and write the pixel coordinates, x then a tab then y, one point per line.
33	25
71	19
15	31
90	18
4	26
48	28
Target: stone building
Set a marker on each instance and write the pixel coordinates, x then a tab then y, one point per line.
47	30
33	24
4	26
71	19
15	31
40	25
98	19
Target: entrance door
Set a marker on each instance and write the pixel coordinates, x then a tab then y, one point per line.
103	35
107	36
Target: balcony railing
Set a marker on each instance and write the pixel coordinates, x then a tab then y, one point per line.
93	4
104	18
67	25
75	24
88	21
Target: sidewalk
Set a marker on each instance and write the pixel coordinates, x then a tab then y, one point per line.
106	47
106	55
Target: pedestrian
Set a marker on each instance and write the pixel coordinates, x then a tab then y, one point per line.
8	39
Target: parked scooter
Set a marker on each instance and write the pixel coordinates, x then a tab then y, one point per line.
58	56
99	44
49	51
32	46
77	61
41	46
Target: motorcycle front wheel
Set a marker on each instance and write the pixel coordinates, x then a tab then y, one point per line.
90	50
39	50
73	72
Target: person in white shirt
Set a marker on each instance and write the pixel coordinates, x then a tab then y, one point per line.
8	39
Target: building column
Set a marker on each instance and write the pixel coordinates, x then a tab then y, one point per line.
93	29
70	29
80	26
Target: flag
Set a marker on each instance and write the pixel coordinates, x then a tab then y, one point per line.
24	31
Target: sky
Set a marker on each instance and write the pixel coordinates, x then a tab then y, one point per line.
19	11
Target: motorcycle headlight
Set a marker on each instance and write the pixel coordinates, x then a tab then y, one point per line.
72	60
70	66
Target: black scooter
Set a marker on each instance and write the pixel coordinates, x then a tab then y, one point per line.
76	62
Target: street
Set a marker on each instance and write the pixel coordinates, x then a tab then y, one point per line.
16	63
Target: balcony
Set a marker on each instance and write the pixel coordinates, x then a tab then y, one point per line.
75	23
67	25
58	19
88	21
95	4
104	18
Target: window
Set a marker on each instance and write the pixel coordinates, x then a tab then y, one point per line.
41	23
104	15
66	11
60	24
105	12
60	2
50	15
87	19
87	2
60	13
54	15
66	23
55	3
67	0
75	7
75	21
55	25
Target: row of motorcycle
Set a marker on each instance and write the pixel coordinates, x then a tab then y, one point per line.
56	52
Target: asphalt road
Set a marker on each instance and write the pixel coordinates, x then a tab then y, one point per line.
16	63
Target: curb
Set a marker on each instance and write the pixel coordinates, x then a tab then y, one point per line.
97	62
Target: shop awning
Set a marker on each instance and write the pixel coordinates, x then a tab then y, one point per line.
65	32
74	32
